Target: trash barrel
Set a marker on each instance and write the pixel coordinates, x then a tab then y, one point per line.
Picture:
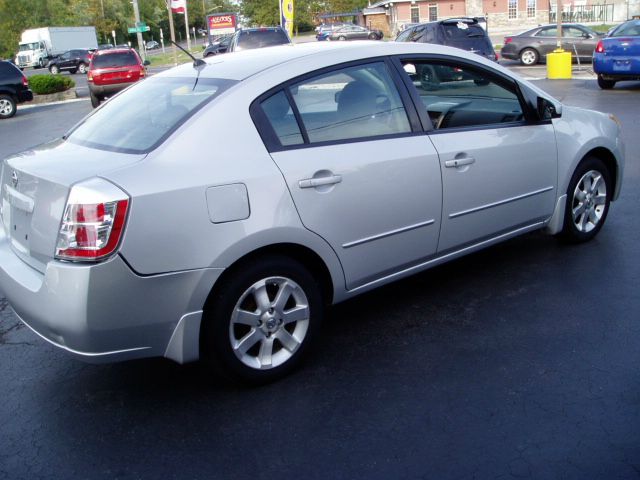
559	64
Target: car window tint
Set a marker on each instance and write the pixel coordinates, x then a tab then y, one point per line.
572	32
261	38
629	29
457	97
547	32
281	117
138	119
461	30
120	59
353	102
404	35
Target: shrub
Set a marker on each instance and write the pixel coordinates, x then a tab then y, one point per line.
44	84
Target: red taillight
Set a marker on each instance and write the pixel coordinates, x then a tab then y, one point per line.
25	81
507	40
89	76
600	47
91	231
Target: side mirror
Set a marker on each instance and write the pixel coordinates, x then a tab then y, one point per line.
547	110
146	62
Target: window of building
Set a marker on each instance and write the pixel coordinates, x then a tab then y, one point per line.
513	9
415	14
433	13
531	8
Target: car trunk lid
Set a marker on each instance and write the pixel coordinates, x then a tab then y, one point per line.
35	186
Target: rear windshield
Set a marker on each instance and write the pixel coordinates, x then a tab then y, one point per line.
121	59
261	38
143	116
461	30
630	29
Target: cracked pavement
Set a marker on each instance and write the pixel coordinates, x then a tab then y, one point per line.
521	361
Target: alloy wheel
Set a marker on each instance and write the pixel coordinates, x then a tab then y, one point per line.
269	323
589	201
6	107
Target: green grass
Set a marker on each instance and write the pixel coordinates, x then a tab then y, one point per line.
167	58
602	28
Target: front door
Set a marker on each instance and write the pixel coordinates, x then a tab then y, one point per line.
499	172
358	174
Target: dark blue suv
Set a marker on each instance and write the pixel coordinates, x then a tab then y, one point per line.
465	33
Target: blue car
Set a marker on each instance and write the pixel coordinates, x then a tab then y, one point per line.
617	56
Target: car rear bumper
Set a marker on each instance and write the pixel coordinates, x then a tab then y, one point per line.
106	312
617	67
24	95
108	89
509	52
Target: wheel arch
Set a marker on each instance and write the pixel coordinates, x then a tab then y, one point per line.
610	162
300	253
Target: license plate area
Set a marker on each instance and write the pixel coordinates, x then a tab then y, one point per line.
622	65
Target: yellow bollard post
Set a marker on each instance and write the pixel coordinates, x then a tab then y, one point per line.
559	64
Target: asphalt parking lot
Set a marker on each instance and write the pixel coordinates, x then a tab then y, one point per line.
521	361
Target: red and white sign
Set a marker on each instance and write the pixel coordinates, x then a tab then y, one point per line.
221	23
178	6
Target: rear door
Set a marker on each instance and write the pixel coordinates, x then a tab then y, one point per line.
499	171
576	39
360	172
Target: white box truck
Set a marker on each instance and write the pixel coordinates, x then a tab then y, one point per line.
38	45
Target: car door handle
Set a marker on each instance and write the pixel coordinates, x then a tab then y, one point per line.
459	162
320	181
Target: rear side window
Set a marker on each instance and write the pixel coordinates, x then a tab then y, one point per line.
9	72
346	104
120	59
261	38
282	119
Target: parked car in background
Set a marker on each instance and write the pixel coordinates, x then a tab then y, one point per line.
71	61
465	33
151	45
333	173
617	57
353	32
113	70
219	45
326	28
250	38
14	89
532	46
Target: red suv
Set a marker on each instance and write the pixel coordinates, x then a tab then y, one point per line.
112	71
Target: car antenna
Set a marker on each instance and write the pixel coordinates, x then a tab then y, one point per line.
197	62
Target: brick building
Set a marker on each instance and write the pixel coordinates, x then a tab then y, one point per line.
391	16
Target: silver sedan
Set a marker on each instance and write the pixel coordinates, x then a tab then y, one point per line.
214	211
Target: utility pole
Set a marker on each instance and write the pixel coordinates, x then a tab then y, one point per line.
136	13
186	26
172	33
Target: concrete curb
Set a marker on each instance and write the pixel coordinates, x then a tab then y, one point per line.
58	102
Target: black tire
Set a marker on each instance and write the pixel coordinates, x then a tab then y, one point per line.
54	69
605	84
220	326
571	232
73	71
373	36
209	55
529	56
95	100
342	38
82	68
41	63
7	106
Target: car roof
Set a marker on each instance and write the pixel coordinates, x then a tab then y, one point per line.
109	51
246	63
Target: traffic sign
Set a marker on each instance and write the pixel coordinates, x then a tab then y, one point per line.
142	28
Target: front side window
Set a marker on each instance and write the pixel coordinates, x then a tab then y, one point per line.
350	103
141	117
457	96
